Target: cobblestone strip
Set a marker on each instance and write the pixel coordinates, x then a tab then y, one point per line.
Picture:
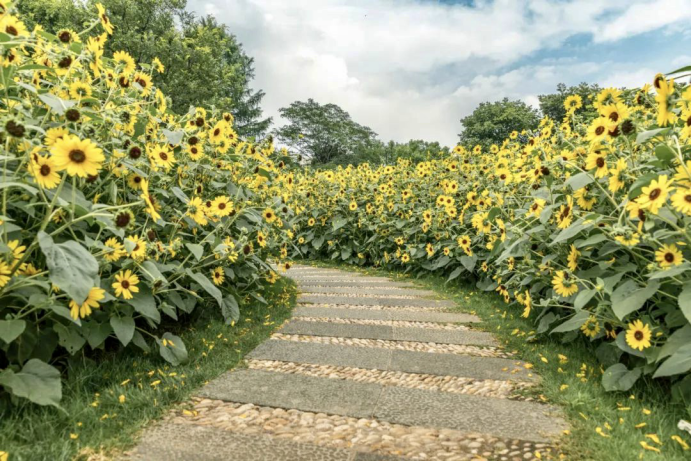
364	295
477	351
391	323
376	308
366	435
481	387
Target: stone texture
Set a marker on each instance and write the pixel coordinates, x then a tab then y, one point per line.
360	282
391	323
381	291
416	302
424	335
337	312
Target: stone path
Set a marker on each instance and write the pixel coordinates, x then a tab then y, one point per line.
368	369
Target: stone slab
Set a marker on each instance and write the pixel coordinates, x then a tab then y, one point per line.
503	418
428	335
370	314
364	282
322	354
368	291
317	299
391	360
338	330
460	365
187	442
305	393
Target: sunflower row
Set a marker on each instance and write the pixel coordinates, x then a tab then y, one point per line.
583	225
119	218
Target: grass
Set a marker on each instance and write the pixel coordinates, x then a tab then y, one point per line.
97	425
574	384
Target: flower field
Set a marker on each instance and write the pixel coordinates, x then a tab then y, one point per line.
118	217
582	227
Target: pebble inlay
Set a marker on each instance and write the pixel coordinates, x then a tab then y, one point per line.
377	308
362	295
390	323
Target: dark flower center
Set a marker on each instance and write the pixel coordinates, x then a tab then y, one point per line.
12	30
600	130
638	335
135	153
222	206
65	62
77	156
163	156
614	116
65	36
654	194
600	162
45	170
125	284
122	220
72	115
669	257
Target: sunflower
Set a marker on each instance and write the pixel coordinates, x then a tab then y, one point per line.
405	258
91	302
127	62
261	239
638	335
564	215
158	65
617	179
135	181
44	171
67	36
584	200
572	103
430	249
195	210
654	195
591	327
221	206
80	157
115	249
218	133
4	273
561	285
162	156
598	129
105	22
536	208
55	134
139	247
573	258
269	215
195	152
79	90
681	200
668	255
125	284
11	25
615	113
217	275
311	222
144	81
353	206
526	302
149	201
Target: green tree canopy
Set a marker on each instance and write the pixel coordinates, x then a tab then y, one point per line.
492	122
553	105
205	64
324	134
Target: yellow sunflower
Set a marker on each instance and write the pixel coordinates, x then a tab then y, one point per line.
573	258
139	247
668	255
105	22
681	200
217	275
124	60
125	284
654	195
80	157
562	286
91	302
591	327
44	171
638	335
195	210
115	250
222	206
269	215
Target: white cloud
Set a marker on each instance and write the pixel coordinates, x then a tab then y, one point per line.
412	69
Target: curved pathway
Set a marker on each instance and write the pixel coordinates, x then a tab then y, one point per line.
367	369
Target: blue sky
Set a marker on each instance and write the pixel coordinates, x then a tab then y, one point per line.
410	69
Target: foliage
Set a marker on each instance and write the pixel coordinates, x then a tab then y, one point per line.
583	226
492	122
207	66
323	133
117	214
553	105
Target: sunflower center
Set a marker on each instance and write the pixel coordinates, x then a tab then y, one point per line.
65	62
65	37
12	30
77	155
600	130
217	132
638	335
45	170
222	206
614	116
125	284
688	198
654	194
669	257
163	156
122	220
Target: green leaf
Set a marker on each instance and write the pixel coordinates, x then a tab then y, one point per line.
37	382
145	304
173	137
579	181
573	323
96	333
338	223
664	153
230	309
455	273
57	105
152	272
124	328
646	135
630	297
571	231
676	364
11	329
583	298
469	262
69	337
618	378
196	250
21	185
71	267
174	351
684	301
180	194
207	285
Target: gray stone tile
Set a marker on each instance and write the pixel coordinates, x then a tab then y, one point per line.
418	302
428	335
341	330
498	417
322	354
363	282
376	457
369	291
459	365
266	388
372	314
187	442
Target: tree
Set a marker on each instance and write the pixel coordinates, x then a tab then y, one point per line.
492	122
205	64
553	105
324	133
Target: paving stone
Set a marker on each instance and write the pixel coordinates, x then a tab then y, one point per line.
427	335
322	354
317	299
304	393
460	365
368	291
362	282
370	314
501	418
186	442
300	327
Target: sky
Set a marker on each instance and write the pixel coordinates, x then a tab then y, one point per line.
411	69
